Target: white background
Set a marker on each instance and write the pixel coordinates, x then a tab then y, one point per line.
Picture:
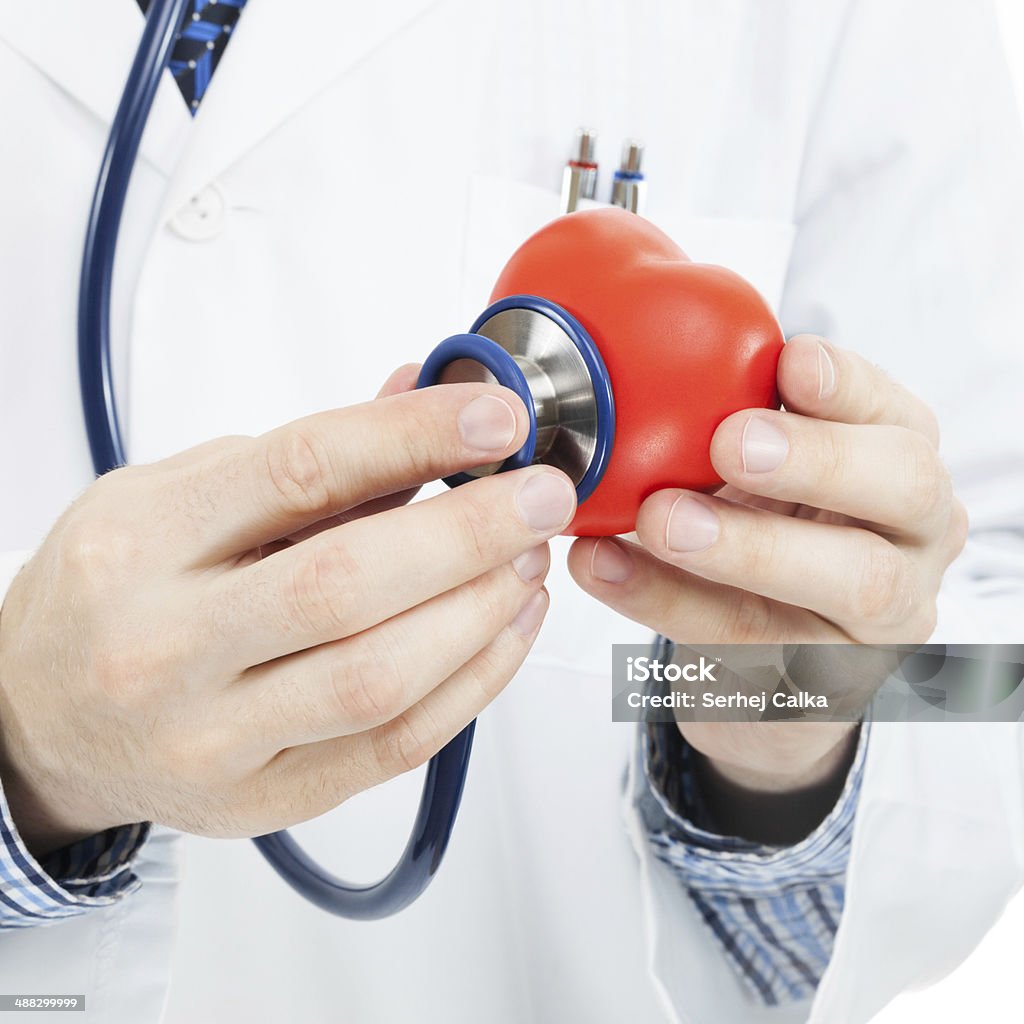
989	987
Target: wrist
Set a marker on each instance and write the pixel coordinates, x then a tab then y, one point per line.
47	810
780	758
784	788
44	823
48	813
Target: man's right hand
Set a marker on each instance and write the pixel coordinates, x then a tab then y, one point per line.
242	636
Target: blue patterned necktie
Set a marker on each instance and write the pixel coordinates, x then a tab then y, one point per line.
198	48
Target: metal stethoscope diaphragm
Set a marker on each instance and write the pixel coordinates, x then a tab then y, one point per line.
542	353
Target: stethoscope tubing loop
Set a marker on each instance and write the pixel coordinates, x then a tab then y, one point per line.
420	860
96	380
446	773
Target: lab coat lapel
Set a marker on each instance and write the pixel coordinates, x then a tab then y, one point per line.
87	49
279	58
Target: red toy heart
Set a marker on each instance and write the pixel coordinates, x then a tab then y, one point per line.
685	344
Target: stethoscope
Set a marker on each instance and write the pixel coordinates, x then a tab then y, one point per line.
446	773
526	343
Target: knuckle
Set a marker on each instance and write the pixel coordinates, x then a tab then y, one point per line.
320	788
80	545
882	397
403	744
217	448
116	671
750	620
921	626
419	443
133	671
957	531
929	483
110	484
874	393
476	524
299	470
490	670
760	552
833	459
199	761
492	595
321	591
426	442
352	769
229	464
206	452
883	593
366	688
930	427
96	550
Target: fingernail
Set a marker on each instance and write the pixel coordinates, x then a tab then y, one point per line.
763	446
610	563
487	424
546	501
530	564
530	615
826	373
691	525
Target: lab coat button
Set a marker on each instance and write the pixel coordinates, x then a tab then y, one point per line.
202	217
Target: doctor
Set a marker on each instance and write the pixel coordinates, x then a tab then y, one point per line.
343	198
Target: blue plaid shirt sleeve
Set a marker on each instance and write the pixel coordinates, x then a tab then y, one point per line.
773	910
95	872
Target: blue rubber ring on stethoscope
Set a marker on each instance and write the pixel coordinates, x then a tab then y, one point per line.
507	373
599	378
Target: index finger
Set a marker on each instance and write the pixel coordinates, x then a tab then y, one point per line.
271	486
359	575
821	380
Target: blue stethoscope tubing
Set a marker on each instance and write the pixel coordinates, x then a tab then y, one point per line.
446	773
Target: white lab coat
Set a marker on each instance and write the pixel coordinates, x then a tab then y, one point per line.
344	200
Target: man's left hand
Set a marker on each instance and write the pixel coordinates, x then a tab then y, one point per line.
836	524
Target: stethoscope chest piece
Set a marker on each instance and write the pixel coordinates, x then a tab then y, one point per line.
543	354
